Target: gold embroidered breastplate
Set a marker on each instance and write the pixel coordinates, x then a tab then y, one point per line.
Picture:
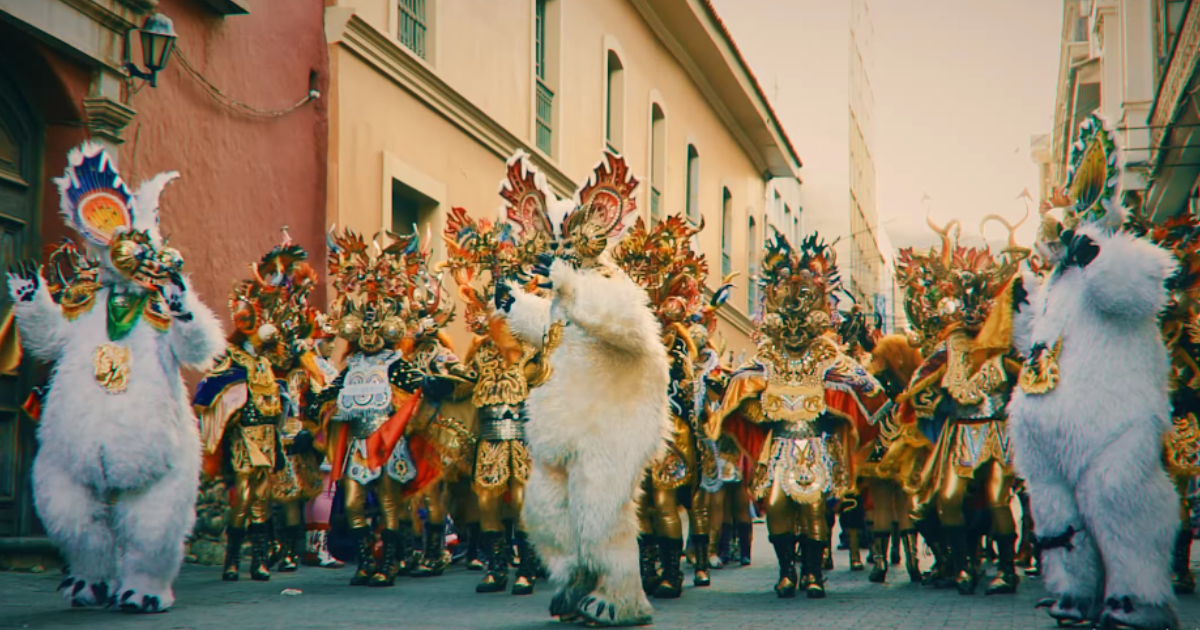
260	381
500	383
969	388
795	389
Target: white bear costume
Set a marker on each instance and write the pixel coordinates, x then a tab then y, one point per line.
602	416
1090	410
117	470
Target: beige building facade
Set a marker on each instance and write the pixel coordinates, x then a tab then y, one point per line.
430	97
1134	62
1105	66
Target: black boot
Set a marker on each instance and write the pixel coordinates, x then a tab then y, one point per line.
812	580
274	543
745	536
959	553
432	561
1006	580
908	540
725	544
648	562
879	563
366	551
476	546
233	552
527	571
385	573
407	549
785	554
670	551
260	552
896	539
496	578
700	544
1184	582
289	560
854	542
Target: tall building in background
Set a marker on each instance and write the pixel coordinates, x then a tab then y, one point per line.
866	282
1134	62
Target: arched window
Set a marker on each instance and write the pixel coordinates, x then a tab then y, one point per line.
693	184
614	105
726	232
658	160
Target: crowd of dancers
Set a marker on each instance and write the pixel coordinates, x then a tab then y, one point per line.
597	413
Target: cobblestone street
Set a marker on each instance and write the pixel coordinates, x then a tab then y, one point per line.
740	598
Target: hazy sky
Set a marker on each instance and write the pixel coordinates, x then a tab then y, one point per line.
959	88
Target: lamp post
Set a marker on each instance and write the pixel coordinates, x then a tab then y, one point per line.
158	40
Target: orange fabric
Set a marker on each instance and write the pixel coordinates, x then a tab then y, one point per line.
428	462
383	441
341	440
210	465
33	407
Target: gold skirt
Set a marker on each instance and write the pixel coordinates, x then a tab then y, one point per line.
498	462
808	470
251	447
966	447
300	479
676	467
1181	448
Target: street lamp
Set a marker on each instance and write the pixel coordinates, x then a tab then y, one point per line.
158	40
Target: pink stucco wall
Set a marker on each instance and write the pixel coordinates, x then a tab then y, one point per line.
242	178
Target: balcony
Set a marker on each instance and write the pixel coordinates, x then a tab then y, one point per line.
545	113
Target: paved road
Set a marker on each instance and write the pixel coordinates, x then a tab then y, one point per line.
740	598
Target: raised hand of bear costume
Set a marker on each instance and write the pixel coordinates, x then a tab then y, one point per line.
1091	406
118	465
602	416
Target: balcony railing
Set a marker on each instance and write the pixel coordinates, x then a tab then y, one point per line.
545	113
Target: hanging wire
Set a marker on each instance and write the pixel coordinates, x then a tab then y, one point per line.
235	104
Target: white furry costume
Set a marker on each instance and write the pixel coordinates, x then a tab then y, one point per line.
602	416
1088	416
116	476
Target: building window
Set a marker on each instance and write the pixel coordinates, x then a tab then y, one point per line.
785	226
614	105
411	210
414	26
545	68
752	247
693	185
658	160
726	232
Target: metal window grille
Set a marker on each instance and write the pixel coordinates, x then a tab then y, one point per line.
545	111
412	26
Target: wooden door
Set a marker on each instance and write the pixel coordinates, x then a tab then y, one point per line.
20	175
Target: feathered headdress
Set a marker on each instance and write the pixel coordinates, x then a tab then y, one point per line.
661	260
477	253
373	286
579	229
274	300
119	227
1091	195
798	287
955	284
